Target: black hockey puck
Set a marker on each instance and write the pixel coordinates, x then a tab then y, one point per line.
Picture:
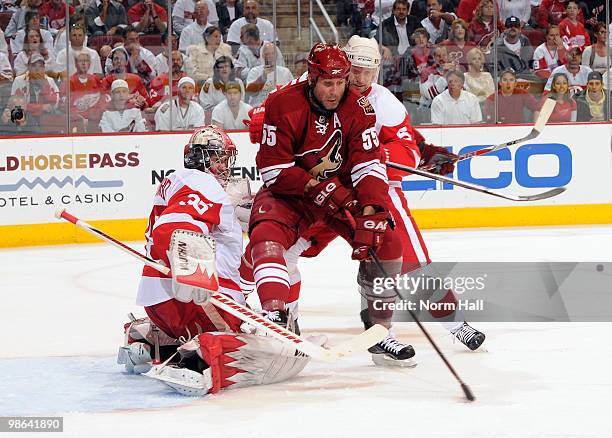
599	267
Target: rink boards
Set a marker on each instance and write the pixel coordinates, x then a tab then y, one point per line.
110	180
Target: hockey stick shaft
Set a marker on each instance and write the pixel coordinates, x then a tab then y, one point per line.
545	113
476	187
466	389
243	313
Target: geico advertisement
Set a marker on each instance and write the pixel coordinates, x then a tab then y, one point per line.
576	157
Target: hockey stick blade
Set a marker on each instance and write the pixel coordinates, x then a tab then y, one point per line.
242	312
540	124
361	342
476	187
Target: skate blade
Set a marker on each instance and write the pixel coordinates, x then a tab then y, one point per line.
182	380
386	361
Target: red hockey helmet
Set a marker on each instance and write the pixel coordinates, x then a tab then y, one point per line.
209	146
327	61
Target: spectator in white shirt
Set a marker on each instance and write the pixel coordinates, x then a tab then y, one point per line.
194	33
437	22
119	118
33	44
249	54
264	78
231	113
181	113
141	61
183	14
77	38
32	22
213	90
455	106
251	15
515	8
577	74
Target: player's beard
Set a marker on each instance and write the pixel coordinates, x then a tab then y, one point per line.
318	107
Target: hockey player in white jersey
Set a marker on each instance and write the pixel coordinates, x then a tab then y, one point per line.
193	218
402	144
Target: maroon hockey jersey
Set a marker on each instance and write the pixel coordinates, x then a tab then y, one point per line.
299	144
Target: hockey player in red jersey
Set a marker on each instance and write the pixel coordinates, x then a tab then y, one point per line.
402	144
193	215
319	159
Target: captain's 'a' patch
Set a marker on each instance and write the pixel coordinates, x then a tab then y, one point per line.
364	103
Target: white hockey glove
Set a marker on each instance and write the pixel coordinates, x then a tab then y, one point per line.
192	261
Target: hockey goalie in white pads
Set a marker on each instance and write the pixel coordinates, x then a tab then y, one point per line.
214	361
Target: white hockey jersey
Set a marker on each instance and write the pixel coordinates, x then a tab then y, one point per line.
191	200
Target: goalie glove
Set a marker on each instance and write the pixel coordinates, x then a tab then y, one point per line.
192	261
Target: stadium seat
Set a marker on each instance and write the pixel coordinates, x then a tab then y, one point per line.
5	17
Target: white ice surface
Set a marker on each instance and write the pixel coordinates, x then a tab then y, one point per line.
62	311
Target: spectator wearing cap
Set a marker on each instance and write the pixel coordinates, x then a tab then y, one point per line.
77	38
437	22
478	82
553	11
251	16
160	86
231	112
194	33
183	14
483	29
513	49
105	17
87	97
18	19
148	17
566	108
228	12
592	104
265	77
515	8
300	65
202	56
455	106
511	102
117	69
572	30
550	54
32	22
55	11
38	89
182	112
397	29
33	44
118	117
598	56
249	54
213	90
574	71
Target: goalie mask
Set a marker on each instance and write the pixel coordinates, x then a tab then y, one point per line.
211	150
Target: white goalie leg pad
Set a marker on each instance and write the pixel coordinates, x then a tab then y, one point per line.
183	380
192	260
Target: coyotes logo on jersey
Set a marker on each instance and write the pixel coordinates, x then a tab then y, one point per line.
322	163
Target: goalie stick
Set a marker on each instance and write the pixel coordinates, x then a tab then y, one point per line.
357	343
466	185
540	123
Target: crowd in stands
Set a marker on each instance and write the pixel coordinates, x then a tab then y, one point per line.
121	66
146	65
